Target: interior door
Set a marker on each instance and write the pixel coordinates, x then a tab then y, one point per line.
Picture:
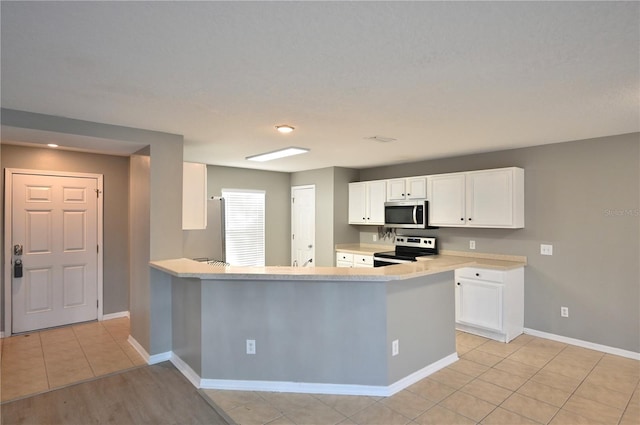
303	224
55	236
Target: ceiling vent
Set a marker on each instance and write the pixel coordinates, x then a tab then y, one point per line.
381	139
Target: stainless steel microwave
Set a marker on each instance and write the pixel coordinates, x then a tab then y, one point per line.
407	214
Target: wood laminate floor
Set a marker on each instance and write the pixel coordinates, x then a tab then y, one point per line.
156	394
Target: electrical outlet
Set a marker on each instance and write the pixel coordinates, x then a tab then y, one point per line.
395	348
472	244
251	346
546	249
564	311
375	238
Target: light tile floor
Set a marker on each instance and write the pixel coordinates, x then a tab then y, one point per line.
40	361
528	381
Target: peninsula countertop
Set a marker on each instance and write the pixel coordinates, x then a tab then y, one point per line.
447	261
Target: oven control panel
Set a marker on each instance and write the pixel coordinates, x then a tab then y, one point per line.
416	241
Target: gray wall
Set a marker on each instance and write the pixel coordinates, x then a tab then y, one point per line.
277	204
115	170
157	213
583	198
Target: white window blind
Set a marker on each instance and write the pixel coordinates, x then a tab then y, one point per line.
244	230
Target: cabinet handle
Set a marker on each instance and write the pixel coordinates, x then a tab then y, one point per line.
478	274
458	283
461	218
408	194
469	218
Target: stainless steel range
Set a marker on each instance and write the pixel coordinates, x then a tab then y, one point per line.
407	249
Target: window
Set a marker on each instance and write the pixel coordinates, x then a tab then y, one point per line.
244	229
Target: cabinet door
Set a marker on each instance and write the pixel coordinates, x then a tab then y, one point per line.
446	194
416	188
395	190
194	196
490	198
479	303
377	194
357	203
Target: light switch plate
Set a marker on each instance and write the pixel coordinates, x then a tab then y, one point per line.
546	249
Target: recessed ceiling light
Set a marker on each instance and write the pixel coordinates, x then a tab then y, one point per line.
381	139
52	145
284	128
277	154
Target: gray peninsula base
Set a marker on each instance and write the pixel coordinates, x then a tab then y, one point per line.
317	336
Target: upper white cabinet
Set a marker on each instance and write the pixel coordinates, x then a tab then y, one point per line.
194	196
486	198
366	202
405	189
447	199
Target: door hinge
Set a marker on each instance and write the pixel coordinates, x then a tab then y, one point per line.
293	200
97	303
293	236
97	249
97	193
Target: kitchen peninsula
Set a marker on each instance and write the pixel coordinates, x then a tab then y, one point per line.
320	329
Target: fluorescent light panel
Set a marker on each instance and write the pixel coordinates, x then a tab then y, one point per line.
277	154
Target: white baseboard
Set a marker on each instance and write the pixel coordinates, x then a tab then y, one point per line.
116	315
156	358
584	344
186	370
316	388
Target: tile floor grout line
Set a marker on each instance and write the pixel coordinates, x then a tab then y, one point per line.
44	361
84	353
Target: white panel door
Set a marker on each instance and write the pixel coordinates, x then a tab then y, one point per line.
479	303
303	226
55	220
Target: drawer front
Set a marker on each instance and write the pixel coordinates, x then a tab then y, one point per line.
480	274
360	260
344	256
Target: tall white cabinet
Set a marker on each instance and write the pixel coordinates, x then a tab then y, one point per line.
486	198
366	202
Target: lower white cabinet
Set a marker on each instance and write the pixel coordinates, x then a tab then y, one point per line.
345	259
490	303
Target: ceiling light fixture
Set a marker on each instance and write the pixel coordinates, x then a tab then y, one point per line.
52	145
284	128
281	153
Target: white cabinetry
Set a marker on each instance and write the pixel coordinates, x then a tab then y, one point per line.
405	189
194	196
490	303
366	202
486	198
345	259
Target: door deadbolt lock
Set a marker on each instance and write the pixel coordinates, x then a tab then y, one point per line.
17	249
17	268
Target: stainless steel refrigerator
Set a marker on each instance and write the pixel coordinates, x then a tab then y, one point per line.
207	244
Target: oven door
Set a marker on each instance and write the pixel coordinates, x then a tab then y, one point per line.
383	261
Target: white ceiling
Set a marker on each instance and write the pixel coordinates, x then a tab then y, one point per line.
443	78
